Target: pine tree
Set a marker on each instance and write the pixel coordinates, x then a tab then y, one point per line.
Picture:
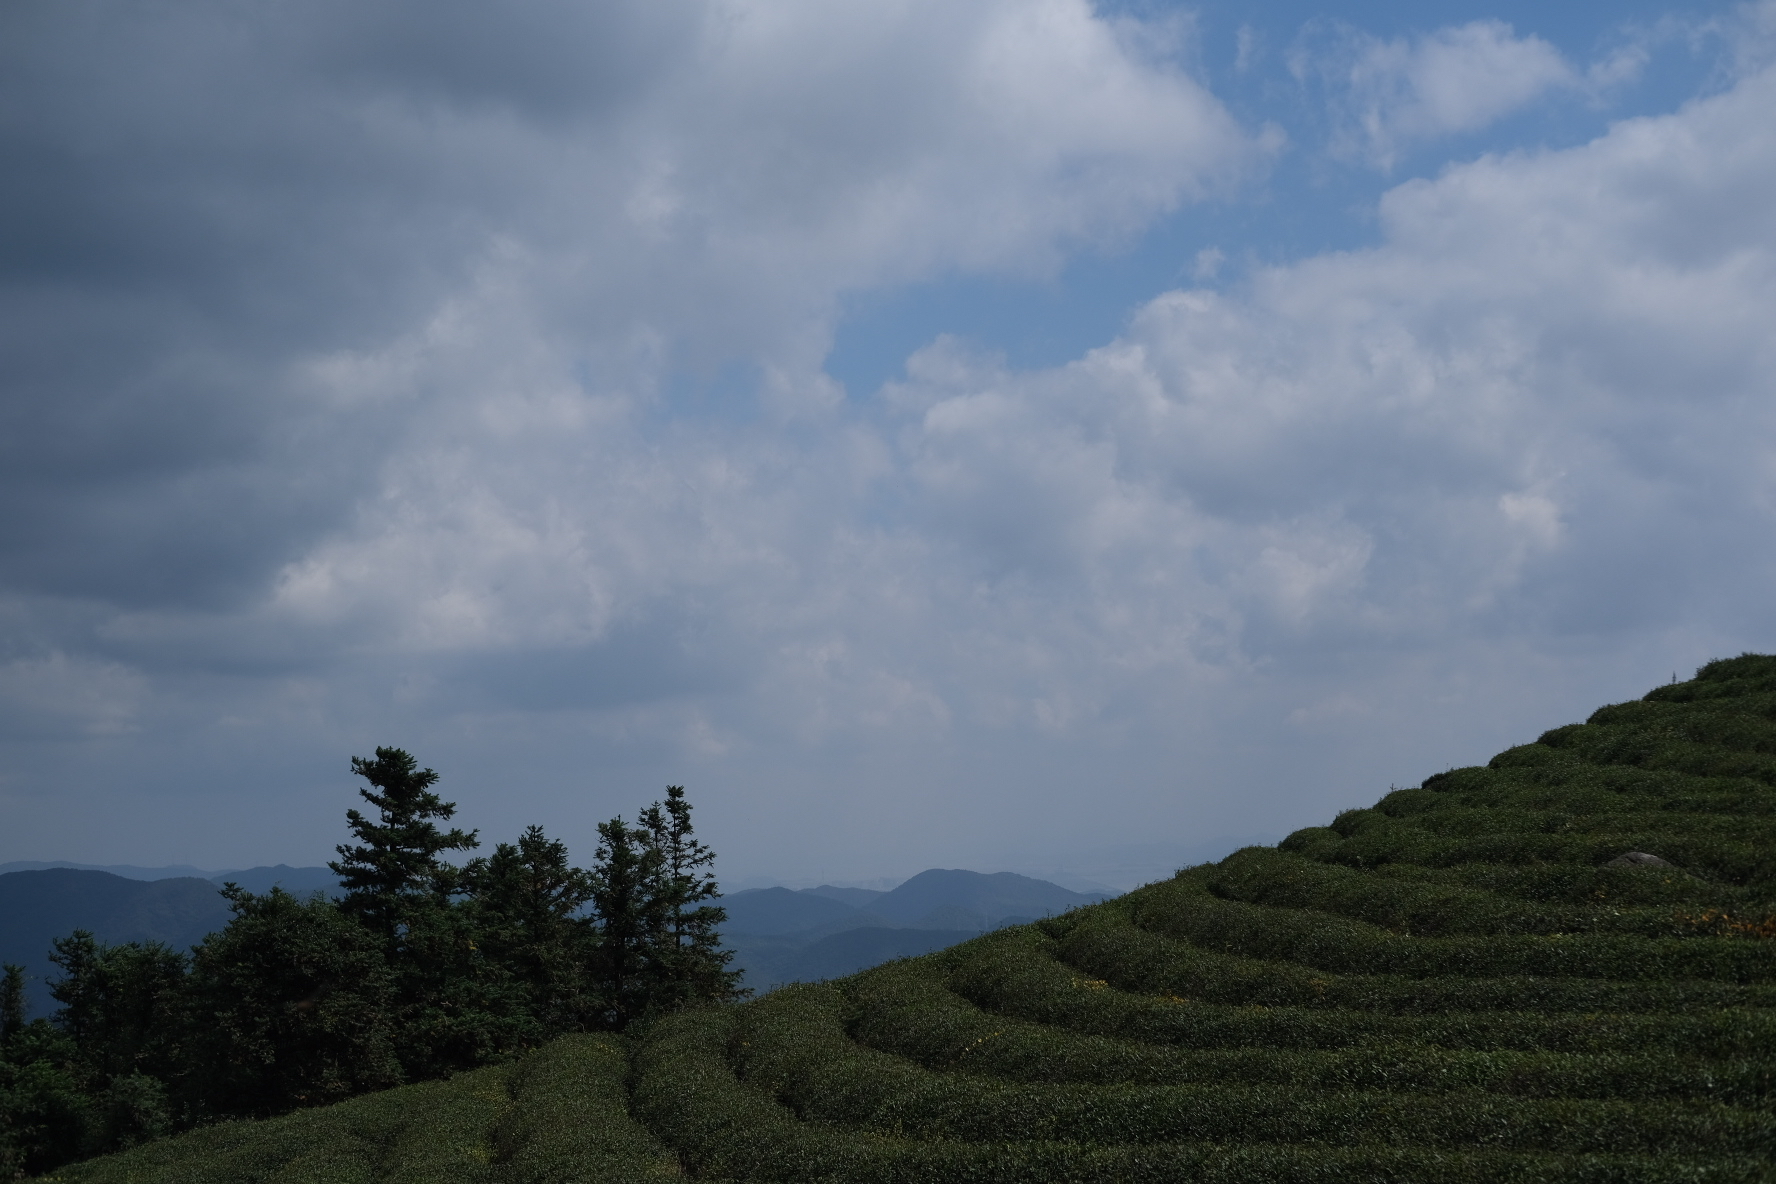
453	1008
395	873
623	878
687	964
526	899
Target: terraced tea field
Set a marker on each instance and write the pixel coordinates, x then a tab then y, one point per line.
1560	967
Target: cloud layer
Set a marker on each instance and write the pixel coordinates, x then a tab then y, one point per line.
465	391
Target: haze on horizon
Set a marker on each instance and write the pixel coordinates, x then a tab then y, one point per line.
1005	434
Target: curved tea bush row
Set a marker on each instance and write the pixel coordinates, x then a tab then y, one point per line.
1107	945
906	1010
794	1045
1185	909
1014	977
561	1114
1572	786
1593	887
726	1129
1424	907
1455	819
1726	859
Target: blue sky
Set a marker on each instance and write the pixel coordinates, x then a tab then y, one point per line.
1310	203
1006	434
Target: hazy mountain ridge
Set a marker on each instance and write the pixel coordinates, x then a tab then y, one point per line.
254	879
782	935
36	907
41	901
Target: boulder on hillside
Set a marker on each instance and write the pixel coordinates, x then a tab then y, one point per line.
1637	859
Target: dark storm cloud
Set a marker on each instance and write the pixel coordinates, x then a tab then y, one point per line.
194	197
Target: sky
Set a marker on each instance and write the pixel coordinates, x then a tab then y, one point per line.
1008	434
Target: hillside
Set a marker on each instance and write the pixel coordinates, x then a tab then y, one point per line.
1559	967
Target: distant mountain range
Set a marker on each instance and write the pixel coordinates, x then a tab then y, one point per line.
299	880
40	902
778	935
782	935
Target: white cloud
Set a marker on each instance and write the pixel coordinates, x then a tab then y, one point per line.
1389	95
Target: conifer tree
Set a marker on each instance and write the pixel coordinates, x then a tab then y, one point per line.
688	963
623	877
123	1012
453	1011
395	873
527	898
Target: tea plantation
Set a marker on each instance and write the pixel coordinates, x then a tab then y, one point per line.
1559	967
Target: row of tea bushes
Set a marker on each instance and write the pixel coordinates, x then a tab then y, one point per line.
1139	960
900	1010
560	1114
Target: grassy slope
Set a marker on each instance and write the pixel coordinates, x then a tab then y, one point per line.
1455	985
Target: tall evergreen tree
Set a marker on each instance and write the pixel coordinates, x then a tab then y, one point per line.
46	1117
452	1011
527	899
623	879
395	873
688	963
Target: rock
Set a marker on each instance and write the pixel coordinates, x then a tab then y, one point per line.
1637	859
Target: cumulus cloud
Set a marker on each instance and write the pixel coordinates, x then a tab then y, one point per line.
1391	94
236	235
1452	431
343	337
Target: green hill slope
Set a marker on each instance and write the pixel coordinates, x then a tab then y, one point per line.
1482	979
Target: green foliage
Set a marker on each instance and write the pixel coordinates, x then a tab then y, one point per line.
906	1010
46	1117
689	963
525	902
293	1004
421	971
570	1119
12	1001
659	948
629	918
794	1046
395	875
